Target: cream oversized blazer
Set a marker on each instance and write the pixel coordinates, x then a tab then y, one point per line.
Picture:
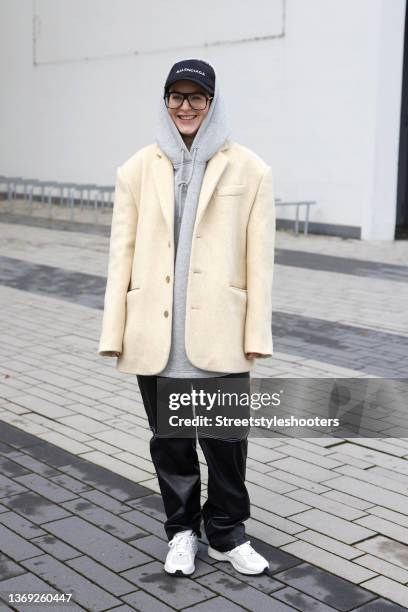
229	295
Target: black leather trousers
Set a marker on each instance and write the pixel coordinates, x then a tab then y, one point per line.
178	472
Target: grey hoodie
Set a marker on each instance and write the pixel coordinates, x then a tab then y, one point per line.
189	168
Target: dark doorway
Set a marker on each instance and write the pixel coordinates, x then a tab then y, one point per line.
401	226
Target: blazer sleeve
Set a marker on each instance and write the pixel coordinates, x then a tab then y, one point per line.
260	261
121	250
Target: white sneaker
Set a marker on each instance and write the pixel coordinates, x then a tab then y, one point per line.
183	549
243	558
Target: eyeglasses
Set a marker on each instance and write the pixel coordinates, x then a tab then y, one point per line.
197	101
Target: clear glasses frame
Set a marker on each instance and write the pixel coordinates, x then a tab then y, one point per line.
189	97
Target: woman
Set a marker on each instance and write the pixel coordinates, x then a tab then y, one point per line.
189	297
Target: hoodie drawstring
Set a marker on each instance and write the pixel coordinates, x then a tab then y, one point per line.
195	150
186	182
180	185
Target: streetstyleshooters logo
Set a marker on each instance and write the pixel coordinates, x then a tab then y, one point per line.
190	70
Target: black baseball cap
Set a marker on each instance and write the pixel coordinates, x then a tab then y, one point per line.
195	70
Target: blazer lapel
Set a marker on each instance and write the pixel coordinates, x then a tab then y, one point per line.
212	175
163	175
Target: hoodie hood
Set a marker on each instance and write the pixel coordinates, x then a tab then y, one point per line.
210	136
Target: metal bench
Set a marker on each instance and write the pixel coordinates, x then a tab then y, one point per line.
97	195
90	194
105	195
298	204
48	189
11	183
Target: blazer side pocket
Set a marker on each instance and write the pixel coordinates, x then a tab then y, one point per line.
238	288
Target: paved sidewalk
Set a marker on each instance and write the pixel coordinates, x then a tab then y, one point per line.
69	526
339	311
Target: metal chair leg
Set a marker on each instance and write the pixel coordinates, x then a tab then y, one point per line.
50	204
71	203
96	209
30	199
9	197
307	219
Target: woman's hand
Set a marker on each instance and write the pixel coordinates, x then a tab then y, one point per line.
253	355
110	354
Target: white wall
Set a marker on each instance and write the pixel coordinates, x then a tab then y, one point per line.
319	99
379	209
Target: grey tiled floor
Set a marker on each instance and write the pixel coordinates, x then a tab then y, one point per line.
336	507
339	344
69	526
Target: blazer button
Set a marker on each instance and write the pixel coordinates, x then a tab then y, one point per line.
166	313
167	279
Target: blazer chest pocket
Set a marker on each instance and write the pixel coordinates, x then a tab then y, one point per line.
230	190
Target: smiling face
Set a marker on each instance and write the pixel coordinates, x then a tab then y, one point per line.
187	120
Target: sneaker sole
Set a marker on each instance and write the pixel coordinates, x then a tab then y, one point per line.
220	556
179	573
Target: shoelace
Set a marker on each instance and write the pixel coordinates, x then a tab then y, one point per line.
246	549
182	543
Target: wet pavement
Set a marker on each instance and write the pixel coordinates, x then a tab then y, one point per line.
79	502
69	526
